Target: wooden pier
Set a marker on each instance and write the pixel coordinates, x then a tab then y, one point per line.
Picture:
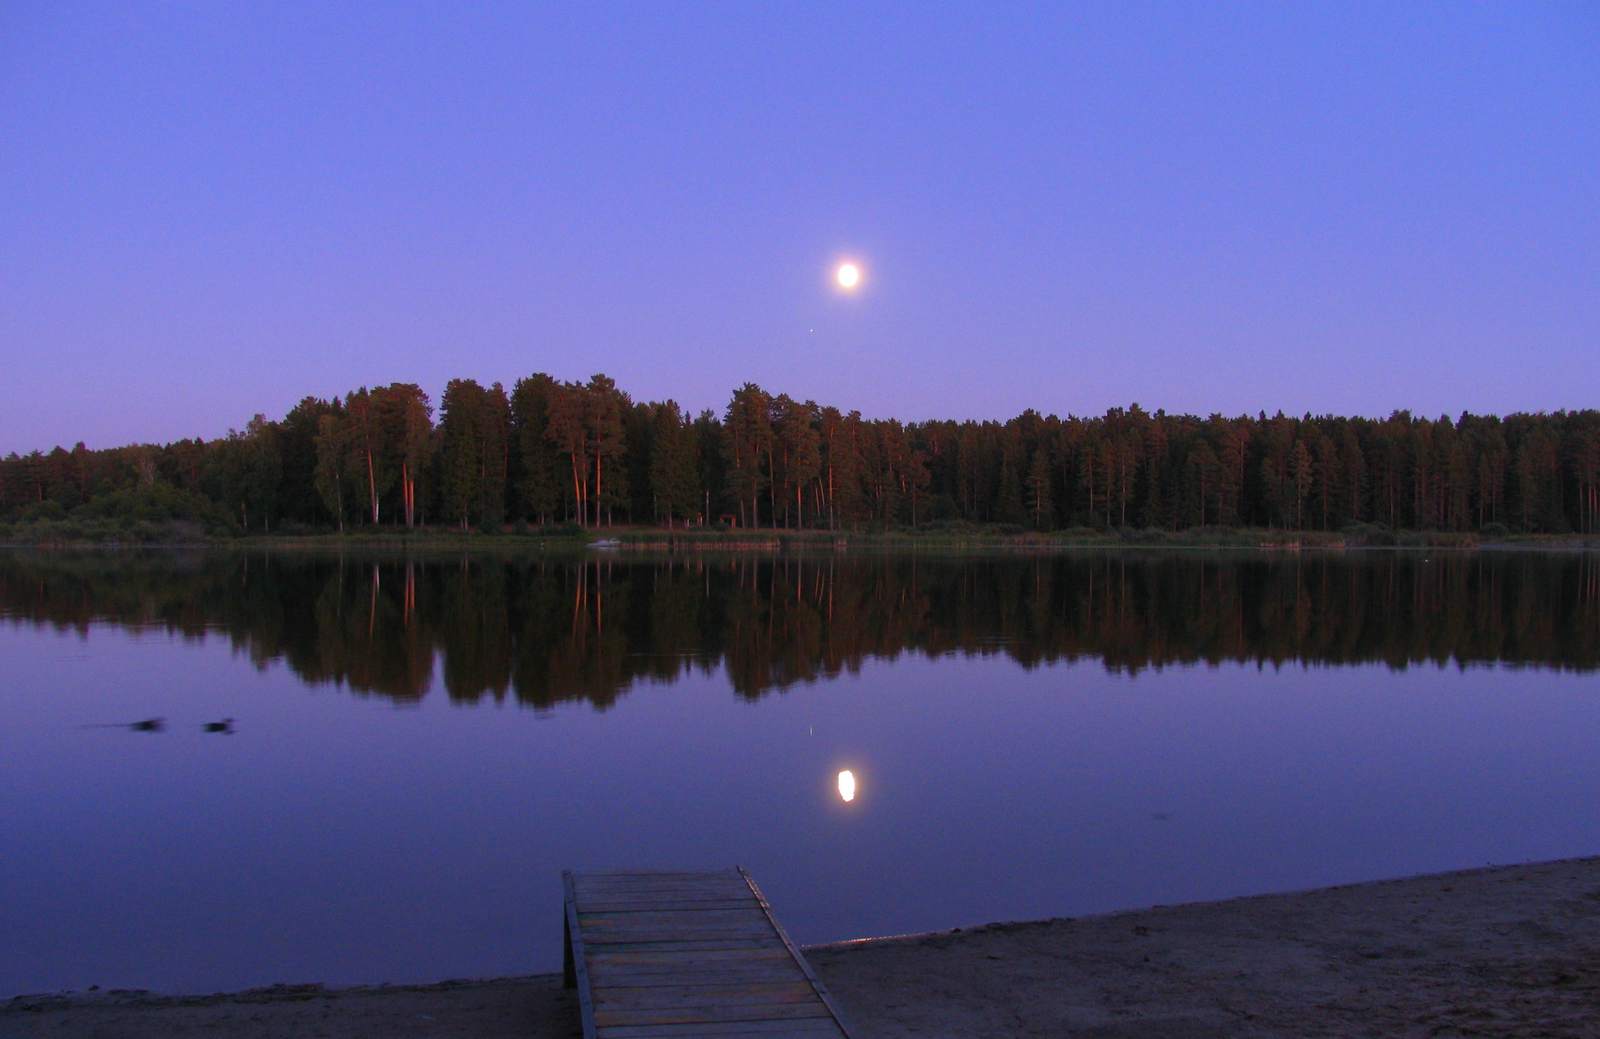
681	955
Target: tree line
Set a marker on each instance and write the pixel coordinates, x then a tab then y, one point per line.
585	453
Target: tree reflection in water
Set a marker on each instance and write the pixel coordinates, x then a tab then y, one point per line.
548	629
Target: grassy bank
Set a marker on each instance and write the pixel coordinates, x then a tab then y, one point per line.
121	531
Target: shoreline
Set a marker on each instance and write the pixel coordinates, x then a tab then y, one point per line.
1500	950
634	540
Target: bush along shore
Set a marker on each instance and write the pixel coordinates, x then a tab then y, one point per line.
164	515
150	527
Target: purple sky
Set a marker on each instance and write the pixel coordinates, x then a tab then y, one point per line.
209	210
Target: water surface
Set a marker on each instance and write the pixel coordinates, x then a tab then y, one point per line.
421	743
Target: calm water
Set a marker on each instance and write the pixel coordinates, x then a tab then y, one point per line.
422	744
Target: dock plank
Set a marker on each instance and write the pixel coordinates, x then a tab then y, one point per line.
708	1012
726	994
673	955
645	903
722	881
659	974
813	1029
772	951
697	945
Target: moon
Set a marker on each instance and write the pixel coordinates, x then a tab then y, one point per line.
847	786
847	275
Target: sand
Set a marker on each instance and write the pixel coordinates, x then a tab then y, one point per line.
1497	952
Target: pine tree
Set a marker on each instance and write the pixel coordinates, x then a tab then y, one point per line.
565	431
536	478
674	480
602	419
1041	506
462	448
332	449
748	425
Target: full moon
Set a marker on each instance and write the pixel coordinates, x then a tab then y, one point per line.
848	275
847	786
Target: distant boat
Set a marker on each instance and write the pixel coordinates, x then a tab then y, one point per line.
225	725
606	543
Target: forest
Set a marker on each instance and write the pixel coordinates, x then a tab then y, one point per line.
555	454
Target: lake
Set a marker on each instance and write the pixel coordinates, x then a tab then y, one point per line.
419	744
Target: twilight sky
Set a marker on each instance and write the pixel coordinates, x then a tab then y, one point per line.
209	210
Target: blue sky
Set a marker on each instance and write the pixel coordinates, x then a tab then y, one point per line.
210	210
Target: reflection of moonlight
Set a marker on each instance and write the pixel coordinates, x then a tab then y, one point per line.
847	786
848	275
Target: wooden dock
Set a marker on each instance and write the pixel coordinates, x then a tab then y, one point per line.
685	955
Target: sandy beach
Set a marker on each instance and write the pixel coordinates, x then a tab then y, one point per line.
1507	951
